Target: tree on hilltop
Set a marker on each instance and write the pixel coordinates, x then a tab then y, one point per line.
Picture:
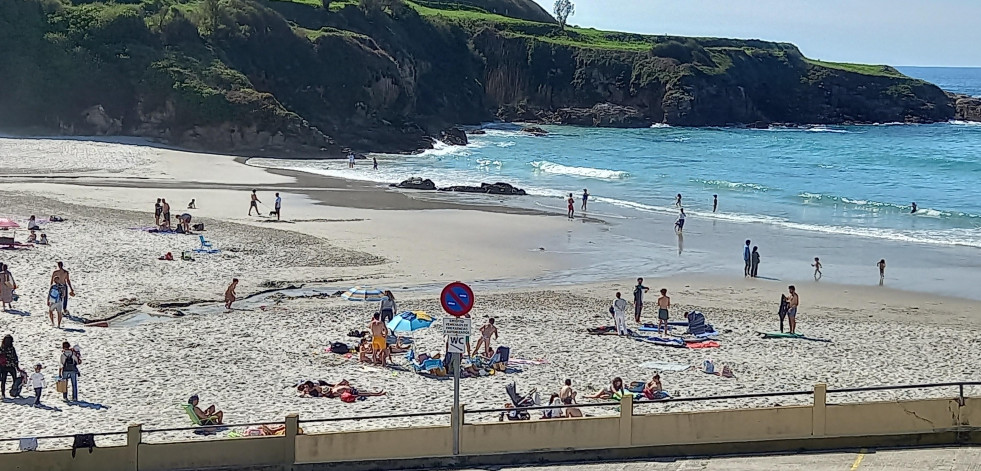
563	10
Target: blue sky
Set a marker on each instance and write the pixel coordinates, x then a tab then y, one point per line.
894	32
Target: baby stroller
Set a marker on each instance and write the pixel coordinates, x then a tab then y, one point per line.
518	412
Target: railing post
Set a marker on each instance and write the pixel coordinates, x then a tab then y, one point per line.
626	419
819	415
292	430
134	436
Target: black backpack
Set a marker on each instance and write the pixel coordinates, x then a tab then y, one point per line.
339	348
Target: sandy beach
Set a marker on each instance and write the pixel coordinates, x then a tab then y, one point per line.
544	279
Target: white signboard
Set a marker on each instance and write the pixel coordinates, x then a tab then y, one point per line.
456	345
456	326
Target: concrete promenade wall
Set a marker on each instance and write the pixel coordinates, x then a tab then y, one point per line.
817	426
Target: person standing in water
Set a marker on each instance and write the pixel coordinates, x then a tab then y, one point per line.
913	205
792	302
679	226
715	202
254	204
755	262
585	198
677	200
882	270
747	257
374	163
817	269
350	160
572	206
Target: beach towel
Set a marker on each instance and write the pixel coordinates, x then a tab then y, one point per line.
664	342
602	330
703	344
664	366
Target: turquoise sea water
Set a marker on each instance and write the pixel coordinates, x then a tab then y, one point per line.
853	180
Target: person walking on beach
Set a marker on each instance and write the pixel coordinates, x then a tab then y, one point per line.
747	257
7	287
639	291
620	314
374	163
157	212
715	202
254	204
63	281
278	205
70	359
882	270
379	339
792	302
350	160
37	382
679	225
230	294
572	206
677	200
663	304
486	331
755	264
9	364
388	306
55	305
585	198
817	269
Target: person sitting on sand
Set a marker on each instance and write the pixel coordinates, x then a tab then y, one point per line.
554	412
566	391
43	240
209	416
345	386
571	412
653	389
230	294
54	218
191	205
615	388
32	239
32	224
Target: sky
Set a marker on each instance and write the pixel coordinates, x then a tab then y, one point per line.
893	32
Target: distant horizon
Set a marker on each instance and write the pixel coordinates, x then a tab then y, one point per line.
887	32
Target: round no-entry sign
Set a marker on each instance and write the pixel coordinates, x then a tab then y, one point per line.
457	299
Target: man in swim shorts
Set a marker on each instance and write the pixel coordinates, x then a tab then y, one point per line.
379	339
254	204
792	303
639	291
663	303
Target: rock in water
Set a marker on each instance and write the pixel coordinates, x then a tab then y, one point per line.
416	183
534	130
490	188
454	137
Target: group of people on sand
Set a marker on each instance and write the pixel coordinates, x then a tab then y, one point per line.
162	217
564	402
343	390
620	305
69	358
254	203
59	290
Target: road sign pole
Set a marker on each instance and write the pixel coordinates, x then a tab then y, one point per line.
457	418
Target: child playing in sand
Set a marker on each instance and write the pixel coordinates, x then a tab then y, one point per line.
43	240
32	239
230	294
817	269
191	205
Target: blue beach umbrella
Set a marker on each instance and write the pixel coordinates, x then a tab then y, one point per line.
361	293
409	321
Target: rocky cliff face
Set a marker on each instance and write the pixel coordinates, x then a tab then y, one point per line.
967	108
281	78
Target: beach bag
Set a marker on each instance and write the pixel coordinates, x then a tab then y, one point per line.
348	397
339	348
61	386
17	386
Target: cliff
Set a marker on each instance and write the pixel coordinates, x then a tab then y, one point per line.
293	78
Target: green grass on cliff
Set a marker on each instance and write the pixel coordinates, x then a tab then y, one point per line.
864	69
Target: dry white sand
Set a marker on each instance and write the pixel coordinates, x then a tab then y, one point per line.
246	362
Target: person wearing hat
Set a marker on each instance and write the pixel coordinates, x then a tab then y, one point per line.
37	382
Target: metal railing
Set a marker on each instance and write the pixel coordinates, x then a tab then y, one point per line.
959	385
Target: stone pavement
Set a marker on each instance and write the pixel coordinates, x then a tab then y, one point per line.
933	459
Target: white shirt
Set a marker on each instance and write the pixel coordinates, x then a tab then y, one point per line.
620	306
37	380
350	158
279	201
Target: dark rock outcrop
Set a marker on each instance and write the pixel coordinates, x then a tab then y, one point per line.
967	108
415	183
490	188
603	115
534	131
454	137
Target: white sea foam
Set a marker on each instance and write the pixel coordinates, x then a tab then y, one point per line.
964	123
731	185
545	166
660	125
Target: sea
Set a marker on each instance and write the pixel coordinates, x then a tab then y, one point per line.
852	181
